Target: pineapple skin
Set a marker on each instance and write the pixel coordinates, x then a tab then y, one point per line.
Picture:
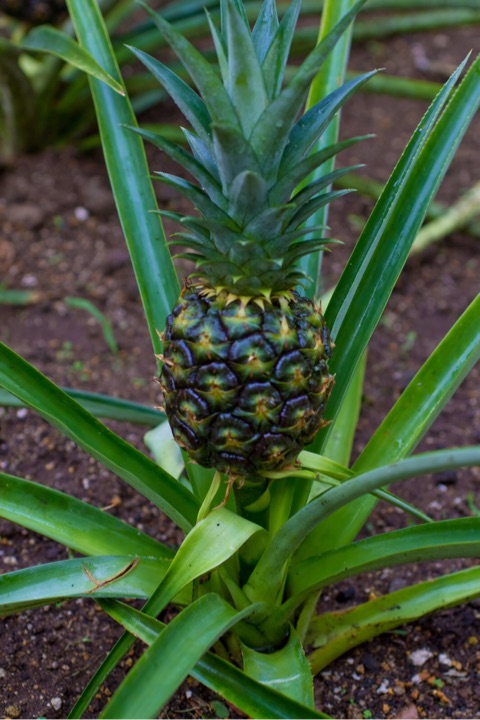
34	12
245	384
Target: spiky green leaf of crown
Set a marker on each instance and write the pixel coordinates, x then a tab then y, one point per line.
249	150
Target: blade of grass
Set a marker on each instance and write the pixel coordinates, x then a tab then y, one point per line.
104	322
19	297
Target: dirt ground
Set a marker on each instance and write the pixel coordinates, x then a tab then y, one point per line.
60	237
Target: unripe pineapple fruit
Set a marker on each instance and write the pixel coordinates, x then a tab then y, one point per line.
245	384
245	374
35	12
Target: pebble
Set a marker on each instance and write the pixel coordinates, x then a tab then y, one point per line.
29	280
56	703
3	674
383	687
81	214
13	711
443	659
420	657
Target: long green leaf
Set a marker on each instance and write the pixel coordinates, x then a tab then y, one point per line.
74	523
129	175
266	578
49	39
245	83
104	576
366	284
410	418
169	659
187	161
330	76
275	45
459	537
427	393
333	474
253	698
433	19
39	393
104	406
335	633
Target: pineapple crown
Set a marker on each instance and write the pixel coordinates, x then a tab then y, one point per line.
250	148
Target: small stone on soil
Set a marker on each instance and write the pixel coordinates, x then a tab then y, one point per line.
56	703
420	657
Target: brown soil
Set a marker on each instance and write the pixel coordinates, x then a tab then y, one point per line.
50	244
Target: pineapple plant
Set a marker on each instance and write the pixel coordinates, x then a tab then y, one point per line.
34	12
250	581
245	364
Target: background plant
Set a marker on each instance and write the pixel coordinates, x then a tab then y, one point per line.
296	527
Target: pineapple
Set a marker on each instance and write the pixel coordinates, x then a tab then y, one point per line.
245	365
35	12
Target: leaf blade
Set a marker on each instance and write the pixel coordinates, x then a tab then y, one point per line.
368	281
39	393
72	522
49	583
410	417
127	167
389	611
443	539
168	661
49	39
